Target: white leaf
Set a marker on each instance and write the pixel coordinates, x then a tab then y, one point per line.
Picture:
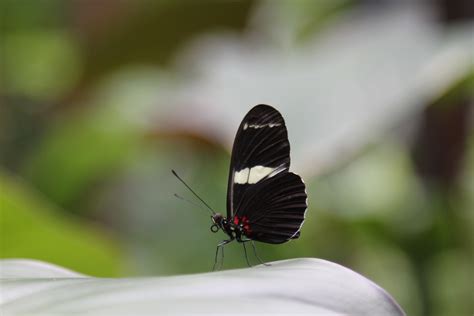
338	92
297	286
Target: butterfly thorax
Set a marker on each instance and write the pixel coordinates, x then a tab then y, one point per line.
237	229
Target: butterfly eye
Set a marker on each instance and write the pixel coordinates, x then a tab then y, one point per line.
214	228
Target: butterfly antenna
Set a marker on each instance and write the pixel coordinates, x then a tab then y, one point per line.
191	202
192	191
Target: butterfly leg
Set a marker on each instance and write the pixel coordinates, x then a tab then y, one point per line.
246	257
219	246
256	255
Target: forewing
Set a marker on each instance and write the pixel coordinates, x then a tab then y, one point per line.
273	210
261	150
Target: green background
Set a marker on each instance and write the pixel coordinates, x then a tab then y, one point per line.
88	188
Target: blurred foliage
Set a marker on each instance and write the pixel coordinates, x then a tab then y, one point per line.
88	135
68	153
33	228
49	55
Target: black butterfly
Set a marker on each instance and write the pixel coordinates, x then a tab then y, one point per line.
265	202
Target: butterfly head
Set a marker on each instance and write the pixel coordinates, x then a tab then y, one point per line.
218	222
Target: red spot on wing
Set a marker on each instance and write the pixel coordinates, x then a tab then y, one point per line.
244	221
246	226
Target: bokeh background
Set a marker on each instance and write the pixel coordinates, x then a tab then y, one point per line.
101	99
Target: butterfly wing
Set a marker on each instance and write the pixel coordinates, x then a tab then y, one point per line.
273	210
261	150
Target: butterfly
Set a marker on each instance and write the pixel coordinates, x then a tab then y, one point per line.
265	201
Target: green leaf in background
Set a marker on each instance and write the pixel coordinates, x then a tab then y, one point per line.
49	55
78	153
32	228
